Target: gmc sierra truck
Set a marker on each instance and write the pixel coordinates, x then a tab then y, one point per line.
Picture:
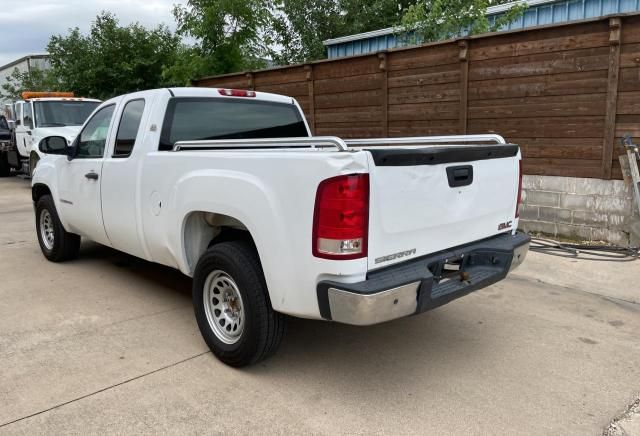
229	187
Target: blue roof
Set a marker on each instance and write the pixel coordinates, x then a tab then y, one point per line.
539	12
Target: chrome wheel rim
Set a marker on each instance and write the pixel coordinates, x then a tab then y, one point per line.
224	307
46	229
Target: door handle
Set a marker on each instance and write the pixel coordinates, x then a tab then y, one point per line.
91	175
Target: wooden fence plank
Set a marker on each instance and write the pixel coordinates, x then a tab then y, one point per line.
540	64
595	34
588	82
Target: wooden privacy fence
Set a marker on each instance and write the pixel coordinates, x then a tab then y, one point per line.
565	93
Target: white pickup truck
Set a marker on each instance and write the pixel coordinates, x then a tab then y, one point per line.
229	187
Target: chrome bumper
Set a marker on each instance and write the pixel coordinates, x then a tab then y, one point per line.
422	284
350	308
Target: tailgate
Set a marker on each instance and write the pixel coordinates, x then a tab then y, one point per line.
424	200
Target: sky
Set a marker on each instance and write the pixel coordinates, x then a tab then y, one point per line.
27	25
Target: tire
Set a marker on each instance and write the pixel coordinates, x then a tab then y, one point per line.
5	168
56	243
233	268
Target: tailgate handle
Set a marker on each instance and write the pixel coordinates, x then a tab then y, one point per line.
460	175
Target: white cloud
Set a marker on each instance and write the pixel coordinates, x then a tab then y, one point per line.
26	27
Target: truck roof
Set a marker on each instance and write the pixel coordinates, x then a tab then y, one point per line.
215	92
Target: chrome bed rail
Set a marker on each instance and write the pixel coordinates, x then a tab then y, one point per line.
315	142
263	143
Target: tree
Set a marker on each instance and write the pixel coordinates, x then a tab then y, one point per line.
300	26
33	80
432	20
112	59
229	36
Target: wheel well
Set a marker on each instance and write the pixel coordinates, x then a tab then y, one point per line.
38	191
204	229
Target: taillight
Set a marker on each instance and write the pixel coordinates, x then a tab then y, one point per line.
519	188
341	217
237	93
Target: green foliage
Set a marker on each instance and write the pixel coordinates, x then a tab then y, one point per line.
228	34
432	20
34	80
299	26
112	59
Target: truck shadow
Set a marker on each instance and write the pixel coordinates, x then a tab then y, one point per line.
385	356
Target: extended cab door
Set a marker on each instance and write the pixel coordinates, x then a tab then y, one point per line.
120	173
79	180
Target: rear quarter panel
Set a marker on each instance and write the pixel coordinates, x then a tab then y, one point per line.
271	192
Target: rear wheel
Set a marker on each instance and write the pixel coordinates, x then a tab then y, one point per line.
56	243
232	305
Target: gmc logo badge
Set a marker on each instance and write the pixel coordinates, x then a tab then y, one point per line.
504	226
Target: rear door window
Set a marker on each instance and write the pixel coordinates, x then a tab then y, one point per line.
193	119
128	128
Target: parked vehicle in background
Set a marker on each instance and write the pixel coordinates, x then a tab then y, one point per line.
5	146
228	186
41	114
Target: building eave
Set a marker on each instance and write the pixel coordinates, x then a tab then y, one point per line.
25	58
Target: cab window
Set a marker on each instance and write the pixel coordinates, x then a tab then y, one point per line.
128	129
27	116
94	135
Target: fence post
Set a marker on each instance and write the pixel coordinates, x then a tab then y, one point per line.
464	84
312	100
382	57
612	96
250	82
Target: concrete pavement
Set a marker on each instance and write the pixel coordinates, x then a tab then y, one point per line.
108	344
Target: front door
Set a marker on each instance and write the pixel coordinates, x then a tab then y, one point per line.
24	125
80	179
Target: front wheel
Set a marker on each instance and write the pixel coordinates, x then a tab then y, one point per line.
56	243
232	305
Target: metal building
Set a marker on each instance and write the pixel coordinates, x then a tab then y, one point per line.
538	13
24	64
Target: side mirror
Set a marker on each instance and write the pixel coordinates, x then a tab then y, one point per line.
53	145
12	124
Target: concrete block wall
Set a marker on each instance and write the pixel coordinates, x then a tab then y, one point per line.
579	209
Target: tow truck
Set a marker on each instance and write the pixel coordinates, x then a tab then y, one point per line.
38	115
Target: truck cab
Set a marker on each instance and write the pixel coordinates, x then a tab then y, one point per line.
42	114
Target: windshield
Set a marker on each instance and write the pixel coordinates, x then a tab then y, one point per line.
189	119
3	123
63	113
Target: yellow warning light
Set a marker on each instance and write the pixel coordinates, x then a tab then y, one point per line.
26	95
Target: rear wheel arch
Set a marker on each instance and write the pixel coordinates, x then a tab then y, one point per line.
202	230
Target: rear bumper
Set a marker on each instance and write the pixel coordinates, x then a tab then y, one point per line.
422	284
